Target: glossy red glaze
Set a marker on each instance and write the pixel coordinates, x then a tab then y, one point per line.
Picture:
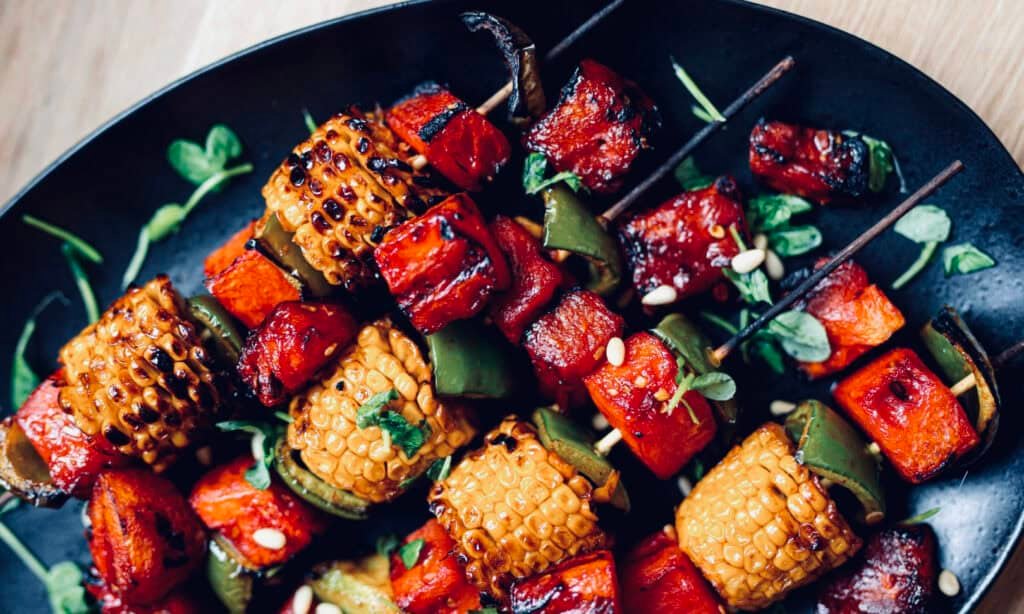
856	314
569	342
909	412
535	279
457	141
437	583
222	257
584	584
658	577
144	538
685	242
443	265
295	341
251	287
178	602
74	458
628	396
896	573
600	125
817	164
227	503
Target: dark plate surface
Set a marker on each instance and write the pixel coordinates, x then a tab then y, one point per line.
107	186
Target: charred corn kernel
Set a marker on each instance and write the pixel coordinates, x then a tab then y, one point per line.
514	508
140	376
760	525
364	460
341	190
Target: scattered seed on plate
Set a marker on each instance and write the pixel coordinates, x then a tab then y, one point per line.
616	351
949	584
599	422
302	601
745	262
662	295
781	408
271	539
761	240
773	266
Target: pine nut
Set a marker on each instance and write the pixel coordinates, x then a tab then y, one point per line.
761	241
745	262
599	422
302	600
662	295
949	584
327	608
685	486
781	408
874	449
773	266
615	352
272	539
419	162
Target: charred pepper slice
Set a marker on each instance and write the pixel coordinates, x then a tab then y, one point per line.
584	583
443	265
598	128
909	412
760	524
818	164
436	583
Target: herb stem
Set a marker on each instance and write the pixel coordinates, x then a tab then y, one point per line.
720	322
310	122
927	251
80	245
691	86
22	552
212	183
82	281
135	264
735	233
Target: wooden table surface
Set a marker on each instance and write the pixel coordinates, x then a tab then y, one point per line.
70	65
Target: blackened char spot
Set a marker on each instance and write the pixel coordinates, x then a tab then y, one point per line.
504	440
437	123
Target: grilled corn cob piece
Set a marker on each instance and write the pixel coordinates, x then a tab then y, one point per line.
341	190
365	461
760	524
515	509
141	376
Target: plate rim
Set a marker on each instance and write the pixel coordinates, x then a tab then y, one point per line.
987	581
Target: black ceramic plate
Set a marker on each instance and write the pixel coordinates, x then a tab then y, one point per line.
107	186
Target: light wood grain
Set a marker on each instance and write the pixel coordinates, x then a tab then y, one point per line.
70	65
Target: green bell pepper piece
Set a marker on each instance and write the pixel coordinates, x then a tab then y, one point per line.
276	243
470	360
832	449
569	225
231	582
313	490
218	328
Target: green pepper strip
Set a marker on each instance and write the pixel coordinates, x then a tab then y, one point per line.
569	225
470	360
276	243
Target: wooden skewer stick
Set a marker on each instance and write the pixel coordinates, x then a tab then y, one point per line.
695	141
502	95
719	354
968	383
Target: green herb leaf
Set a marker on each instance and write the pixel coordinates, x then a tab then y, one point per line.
369	412
535	167
715	385
882	162
801	335
283	417
690	177
405	435
794	241
720	322
964	258
264	438
197	164
409	554
83	248
386	544
763	347
691	86
924	224
927	251
23	378
440	469
65	589
222	144
752	286
310	122
919	518
773	211
82	281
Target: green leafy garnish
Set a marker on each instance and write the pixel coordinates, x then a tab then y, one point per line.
283	417
690	177
771	214
964	258
369	412
691	86
534	169
882	162
761	345
23	378
715	385
752	286
204	167
264	438
386	544
925	224
919	518
310	122
409	554
795	241
440	469
801	335
403	434
81	247
697	470
82	281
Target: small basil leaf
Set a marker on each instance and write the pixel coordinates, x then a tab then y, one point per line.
222	144
191	162
773	211
534	169
409	437
768	352
795	241
690	177
801	335
409	554
924	224
369	412
752	286
964	258
715	385
440	469
65	589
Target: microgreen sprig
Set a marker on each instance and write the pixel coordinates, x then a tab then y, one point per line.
927	225
23	378
264	438
709	112
80	245
310	122
534	169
